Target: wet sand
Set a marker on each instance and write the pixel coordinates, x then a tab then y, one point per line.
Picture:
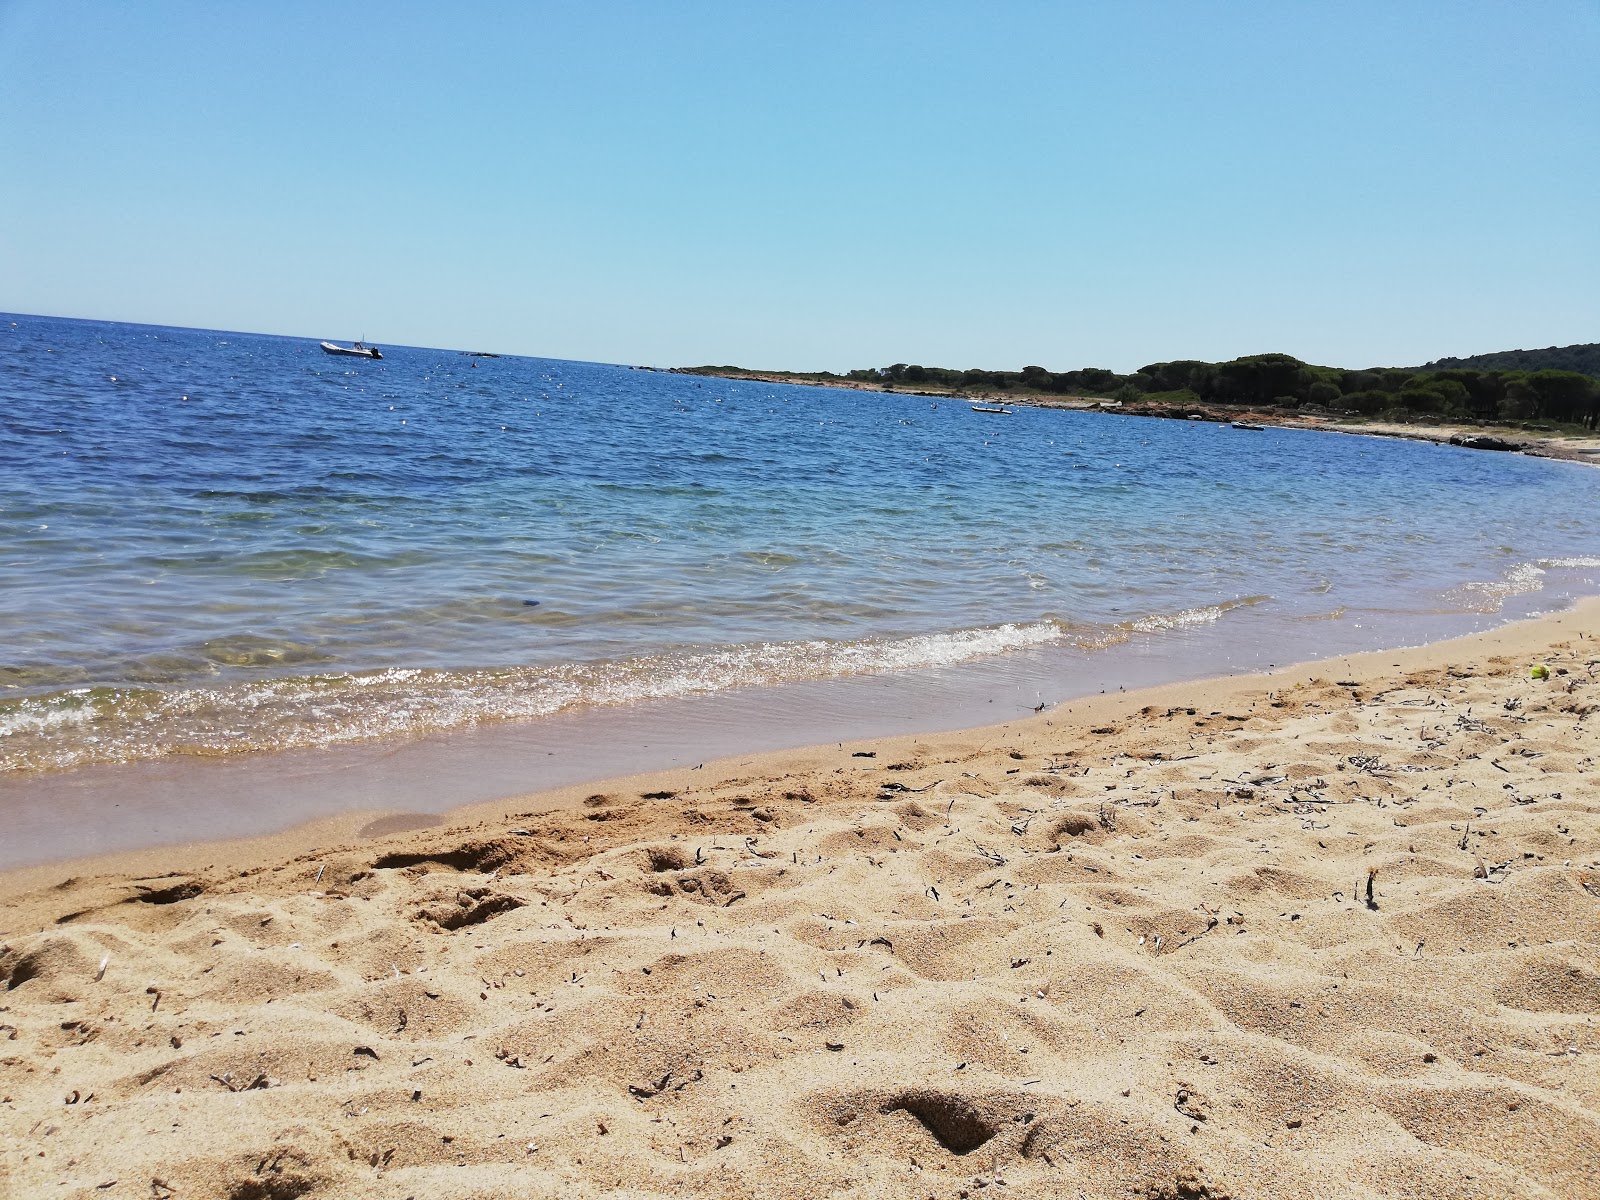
1328	931
104	809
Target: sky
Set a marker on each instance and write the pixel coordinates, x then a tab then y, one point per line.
814	186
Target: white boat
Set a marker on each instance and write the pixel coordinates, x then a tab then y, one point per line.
984	408
358	350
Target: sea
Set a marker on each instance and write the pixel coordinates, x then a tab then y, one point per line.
223	547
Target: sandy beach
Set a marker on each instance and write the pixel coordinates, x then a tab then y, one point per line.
1326	932
1012	747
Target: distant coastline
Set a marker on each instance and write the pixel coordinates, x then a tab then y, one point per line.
1571	440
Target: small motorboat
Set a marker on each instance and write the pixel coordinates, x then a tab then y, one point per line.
987	409
359	350
1246	425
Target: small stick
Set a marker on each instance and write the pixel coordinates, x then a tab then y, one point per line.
1372	878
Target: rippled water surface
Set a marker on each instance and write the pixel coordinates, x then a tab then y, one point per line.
221	542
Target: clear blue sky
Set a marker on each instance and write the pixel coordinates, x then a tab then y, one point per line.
814	185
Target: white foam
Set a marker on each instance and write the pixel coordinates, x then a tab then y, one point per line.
1519	580
1191	617
41	716
327	709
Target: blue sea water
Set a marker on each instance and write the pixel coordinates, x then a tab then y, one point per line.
214	543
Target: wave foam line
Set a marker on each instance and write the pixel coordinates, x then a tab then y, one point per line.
83	726
1490	596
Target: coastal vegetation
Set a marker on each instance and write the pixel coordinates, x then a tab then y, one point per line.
1441	391
1584	359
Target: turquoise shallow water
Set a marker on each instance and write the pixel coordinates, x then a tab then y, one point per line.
213	543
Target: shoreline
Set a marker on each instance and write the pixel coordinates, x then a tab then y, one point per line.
140	807
57	815
1194	940
1522	633
1567	448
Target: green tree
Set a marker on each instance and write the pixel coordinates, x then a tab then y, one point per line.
1097	379
1171	376
1369	403
1563	395
1521	401
1429	395
1037	378
1259	379
1485	390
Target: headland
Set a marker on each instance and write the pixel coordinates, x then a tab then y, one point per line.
1542	402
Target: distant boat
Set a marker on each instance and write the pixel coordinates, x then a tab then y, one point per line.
985	408
1246	425
358	350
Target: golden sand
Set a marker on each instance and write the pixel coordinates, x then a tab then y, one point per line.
1323	933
